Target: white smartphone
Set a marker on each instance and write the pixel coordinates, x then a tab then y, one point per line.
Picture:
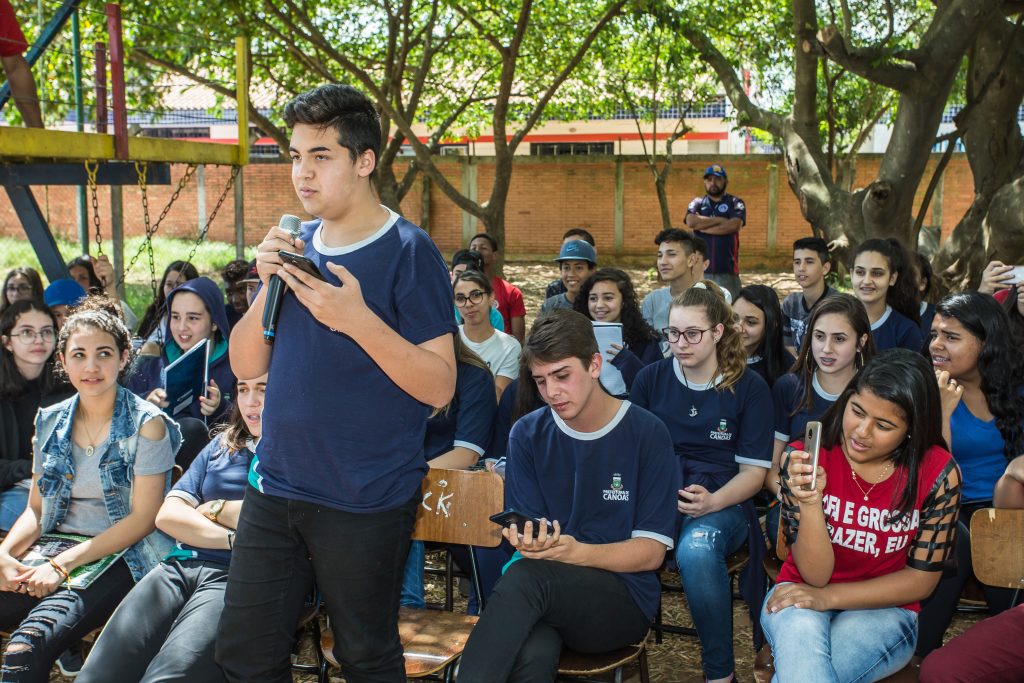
1016	276
812	444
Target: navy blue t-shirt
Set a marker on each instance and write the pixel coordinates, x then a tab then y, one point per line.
469	419
927	316
608	486
215	474
787	394
723	250
893	330
336	430
710	429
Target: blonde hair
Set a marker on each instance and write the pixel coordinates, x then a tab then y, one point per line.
729	351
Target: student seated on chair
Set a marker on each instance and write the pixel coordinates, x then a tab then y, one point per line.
982	417
195	311
990	650
165	628
456	438
718	412
869	541
604	473
101	465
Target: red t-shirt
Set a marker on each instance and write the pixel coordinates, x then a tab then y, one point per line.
864	543
1002	295
12	40
509	300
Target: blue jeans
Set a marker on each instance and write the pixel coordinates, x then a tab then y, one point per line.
704	544
839	646
12	504
412	581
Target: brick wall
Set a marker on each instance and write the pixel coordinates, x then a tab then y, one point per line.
548	195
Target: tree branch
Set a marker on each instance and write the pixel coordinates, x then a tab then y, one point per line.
898	77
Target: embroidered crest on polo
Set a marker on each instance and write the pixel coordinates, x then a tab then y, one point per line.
722	433
616	481
616	492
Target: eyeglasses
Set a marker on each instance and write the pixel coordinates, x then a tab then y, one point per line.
475	297
27	336
692	335
19	289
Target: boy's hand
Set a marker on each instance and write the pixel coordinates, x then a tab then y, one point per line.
158	397
104	270
996	276
268	263
340	308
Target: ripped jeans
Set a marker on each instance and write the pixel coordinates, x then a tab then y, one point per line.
704	544
47	627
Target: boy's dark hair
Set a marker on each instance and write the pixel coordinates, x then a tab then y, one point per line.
558	335
581	234
471	258
234	271
813	244
684	237
489	238
700	246
341	107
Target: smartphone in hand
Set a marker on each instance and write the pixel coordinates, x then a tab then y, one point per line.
1016	276
509	517
306	265
812	444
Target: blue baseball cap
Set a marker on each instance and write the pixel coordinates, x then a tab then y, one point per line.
715	170
63	292
577	250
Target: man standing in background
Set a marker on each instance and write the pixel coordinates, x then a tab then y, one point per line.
717	217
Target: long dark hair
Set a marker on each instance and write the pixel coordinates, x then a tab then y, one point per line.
999	362
905	379
156	309
770	349
12	382
34	281
95	283
901	295
635	330
853	311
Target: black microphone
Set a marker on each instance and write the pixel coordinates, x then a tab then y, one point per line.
275	290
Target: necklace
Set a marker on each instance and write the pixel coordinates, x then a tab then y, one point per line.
853	473
693	405
91	448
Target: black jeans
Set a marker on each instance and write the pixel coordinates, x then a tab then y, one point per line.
47	627
937	611
357	561
539	605
164	629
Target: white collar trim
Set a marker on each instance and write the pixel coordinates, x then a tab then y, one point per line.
881	321
682	378
318	242
592	436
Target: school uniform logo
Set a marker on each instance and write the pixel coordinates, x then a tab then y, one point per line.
616	492
723	208
722	433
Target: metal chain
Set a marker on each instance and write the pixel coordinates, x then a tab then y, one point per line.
235	170
147	243
91	168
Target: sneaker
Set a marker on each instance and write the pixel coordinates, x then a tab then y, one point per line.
71	661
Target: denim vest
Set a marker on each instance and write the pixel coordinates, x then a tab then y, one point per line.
53	433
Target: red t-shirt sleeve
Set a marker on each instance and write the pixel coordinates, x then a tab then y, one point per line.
516	305
1002	295
12	40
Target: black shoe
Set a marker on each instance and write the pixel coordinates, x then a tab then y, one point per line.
71	661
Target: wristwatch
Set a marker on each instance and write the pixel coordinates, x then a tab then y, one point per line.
215	509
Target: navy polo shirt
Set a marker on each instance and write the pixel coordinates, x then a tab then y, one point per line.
215	474
893	330
723	250
787	394
337	431
468	421
709	427
608	486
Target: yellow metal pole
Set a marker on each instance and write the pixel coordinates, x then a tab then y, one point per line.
242	97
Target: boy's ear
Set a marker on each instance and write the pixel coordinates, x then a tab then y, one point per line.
826	267
367	161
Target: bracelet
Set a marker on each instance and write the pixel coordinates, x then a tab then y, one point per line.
231	540
62	571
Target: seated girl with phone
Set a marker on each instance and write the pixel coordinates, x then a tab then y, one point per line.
870	540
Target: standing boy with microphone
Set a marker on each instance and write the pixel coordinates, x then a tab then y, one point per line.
359	360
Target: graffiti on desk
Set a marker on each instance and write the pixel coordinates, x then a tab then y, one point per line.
443	502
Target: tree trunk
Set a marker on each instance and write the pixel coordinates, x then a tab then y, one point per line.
659	186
